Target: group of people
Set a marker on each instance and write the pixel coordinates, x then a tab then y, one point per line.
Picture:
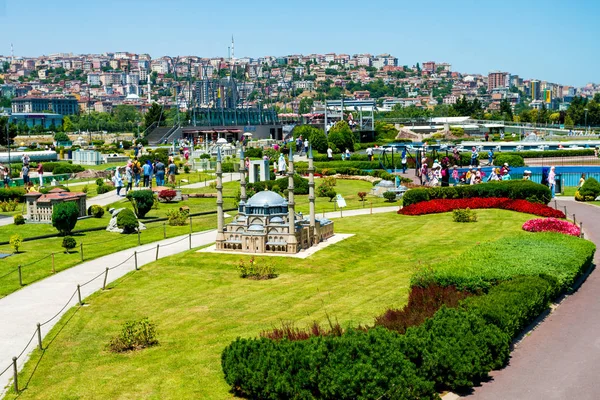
440	175
25	173
141	175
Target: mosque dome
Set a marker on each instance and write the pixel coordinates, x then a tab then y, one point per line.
266	197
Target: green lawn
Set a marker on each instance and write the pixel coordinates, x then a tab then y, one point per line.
347	188
96	244
200	305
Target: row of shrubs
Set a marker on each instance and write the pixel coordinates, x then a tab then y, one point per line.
300	185
12	193
517	189
453	349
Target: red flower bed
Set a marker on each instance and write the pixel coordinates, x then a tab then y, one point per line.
551	225
447	205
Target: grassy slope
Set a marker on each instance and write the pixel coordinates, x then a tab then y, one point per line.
200	304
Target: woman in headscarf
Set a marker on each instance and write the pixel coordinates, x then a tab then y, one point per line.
282	167
118	180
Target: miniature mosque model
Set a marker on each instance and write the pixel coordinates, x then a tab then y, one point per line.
267	222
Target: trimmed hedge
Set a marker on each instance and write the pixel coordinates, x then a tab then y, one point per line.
300	185
552	153
559	256
517	189
14	193
513	304
510	159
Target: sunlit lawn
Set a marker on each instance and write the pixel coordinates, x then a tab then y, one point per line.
200	305
96	244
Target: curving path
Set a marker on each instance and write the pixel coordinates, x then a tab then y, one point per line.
560	359
50	298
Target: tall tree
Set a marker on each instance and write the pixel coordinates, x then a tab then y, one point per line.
155	114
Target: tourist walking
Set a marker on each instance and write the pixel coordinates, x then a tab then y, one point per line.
306	146
552	181
118	180
404	160
160	173
455	175
4	174
147	169
474	157
128	177
282	165
25	175
370	153
329	154
137	170
40	171
172	172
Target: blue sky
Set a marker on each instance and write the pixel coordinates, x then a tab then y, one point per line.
548	40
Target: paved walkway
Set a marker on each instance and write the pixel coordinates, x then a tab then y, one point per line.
42	300
560	359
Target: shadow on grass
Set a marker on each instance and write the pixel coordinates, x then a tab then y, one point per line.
43	352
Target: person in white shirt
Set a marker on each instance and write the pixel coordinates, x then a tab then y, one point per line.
370	153
329	154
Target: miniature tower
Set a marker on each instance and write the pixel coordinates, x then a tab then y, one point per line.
220	217
311	192
292	242
243	196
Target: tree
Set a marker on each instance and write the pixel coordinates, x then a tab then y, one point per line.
305	105
61	137
341	136
68	125
315	136
506	110
125	113
385	131
154	114
64	216
12	131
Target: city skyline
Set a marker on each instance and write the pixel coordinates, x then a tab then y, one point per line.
532	41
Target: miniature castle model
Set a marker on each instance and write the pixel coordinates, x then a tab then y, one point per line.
40	206
267	222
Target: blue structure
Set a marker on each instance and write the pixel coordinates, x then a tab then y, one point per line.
35	119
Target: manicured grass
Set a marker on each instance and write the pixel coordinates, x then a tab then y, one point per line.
569	191
200	305
96	244
347	188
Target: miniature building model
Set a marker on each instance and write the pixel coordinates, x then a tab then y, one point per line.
267	222
40	206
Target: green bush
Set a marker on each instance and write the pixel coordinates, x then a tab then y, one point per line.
135	335
105	188
96	211
456	348
517	189
552	153
512	160
253	152
513	304
315	136
7	206
559	256
590	189
300	185
14	193
63	167
142	201
365	365
127	221
61	137
464	215
177	217
18	219
15	242
64	216
389	196
68	243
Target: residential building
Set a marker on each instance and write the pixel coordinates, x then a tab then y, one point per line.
497	79
93	79
535	90
429	66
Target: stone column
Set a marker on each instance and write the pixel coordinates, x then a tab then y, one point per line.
243	196
311	194
220	217
292	242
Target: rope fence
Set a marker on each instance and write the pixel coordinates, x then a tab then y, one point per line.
574	217
77	292
139	236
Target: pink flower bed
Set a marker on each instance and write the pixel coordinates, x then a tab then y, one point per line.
551	225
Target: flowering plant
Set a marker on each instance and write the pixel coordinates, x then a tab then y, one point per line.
551	225
447	205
